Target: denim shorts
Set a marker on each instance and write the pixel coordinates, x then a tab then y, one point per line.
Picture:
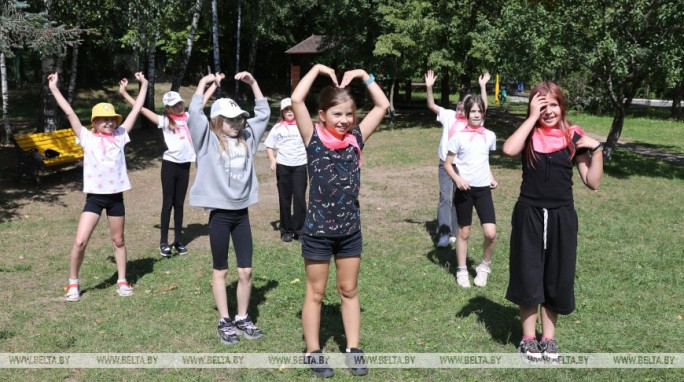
324	248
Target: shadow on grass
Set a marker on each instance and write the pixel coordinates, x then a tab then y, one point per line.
626	163
502	322
135	270
257	297
331	325
193	231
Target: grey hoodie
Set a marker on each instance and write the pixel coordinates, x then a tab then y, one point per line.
225	179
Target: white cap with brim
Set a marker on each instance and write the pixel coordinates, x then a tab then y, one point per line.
285	103
227	108
171	98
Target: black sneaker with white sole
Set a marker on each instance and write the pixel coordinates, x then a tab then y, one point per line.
318	364
247	328
356	362
227	332
529	351
165	250
180	248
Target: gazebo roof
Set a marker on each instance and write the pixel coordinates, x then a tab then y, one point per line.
312	45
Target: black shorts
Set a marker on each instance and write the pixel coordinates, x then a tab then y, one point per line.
112	203
543	257
481	198
324	248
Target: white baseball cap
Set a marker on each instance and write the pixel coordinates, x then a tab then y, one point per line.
285	103
227	108
171	98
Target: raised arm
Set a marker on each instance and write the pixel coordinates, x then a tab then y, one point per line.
430	79
75	123
247	78
298	97
133	115
483	88
380	101
515	144
212	88
202	85
149	114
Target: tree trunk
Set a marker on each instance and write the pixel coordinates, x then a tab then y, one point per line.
5	98
677	101
215	40
151	78
49	65
185	58
251	60
444	98
237	48
615	132
74	65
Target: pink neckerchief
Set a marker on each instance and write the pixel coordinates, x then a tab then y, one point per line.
479	131
292	122
548	139
333	143
105	137
182	128
457	125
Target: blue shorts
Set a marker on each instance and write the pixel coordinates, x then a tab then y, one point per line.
324	248
112	203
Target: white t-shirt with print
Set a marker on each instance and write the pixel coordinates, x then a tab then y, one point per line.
104	163
178	143
472	156
287	141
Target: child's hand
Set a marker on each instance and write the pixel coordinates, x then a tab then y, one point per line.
208	78
537	103
461	184
322	69
430	78
52	80
349	75
493	183
484	78
218	77
587	142
122	85
140	77
273	165
245	77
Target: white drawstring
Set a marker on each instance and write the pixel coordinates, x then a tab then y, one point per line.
546	225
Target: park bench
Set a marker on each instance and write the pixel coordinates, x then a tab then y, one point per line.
51	150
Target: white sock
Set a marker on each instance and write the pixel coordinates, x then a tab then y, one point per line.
121	281
463	268
239	318
486	263
73	281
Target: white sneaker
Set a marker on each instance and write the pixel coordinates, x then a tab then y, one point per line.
463	279
124	289
452	239
73	292
443	241
483	272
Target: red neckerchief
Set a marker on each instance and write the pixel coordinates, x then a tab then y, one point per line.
182	128
479	131
105	137
549	139
334	143
457	125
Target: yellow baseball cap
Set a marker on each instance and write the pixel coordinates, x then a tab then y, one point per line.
105	110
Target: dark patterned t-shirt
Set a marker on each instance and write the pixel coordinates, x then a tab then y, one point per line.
334	182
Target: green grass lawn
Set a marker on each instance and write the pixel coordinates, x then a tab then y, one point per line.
628	286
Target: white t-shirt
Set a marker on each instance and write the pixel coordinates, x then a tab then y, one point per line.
472	156
289	145
178	143
450	125
104	163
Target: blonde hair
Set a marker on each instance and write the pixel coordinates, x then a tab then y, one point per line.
216	125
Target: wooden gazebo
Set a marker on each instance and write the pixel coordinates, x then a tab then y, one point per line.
312	46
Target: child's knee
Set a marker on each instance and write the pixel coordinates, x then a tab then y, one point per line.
464	232
119	242
489	231
347	290
245	274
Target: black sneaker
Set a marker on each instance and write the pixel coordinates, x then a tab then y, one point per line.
165	250
549	351
318	365
286	237
226	332
530	352
247	328
180	248
356	362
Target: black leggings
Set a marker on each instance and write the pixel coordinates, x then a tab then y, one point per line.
292	197
224	224
174	178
